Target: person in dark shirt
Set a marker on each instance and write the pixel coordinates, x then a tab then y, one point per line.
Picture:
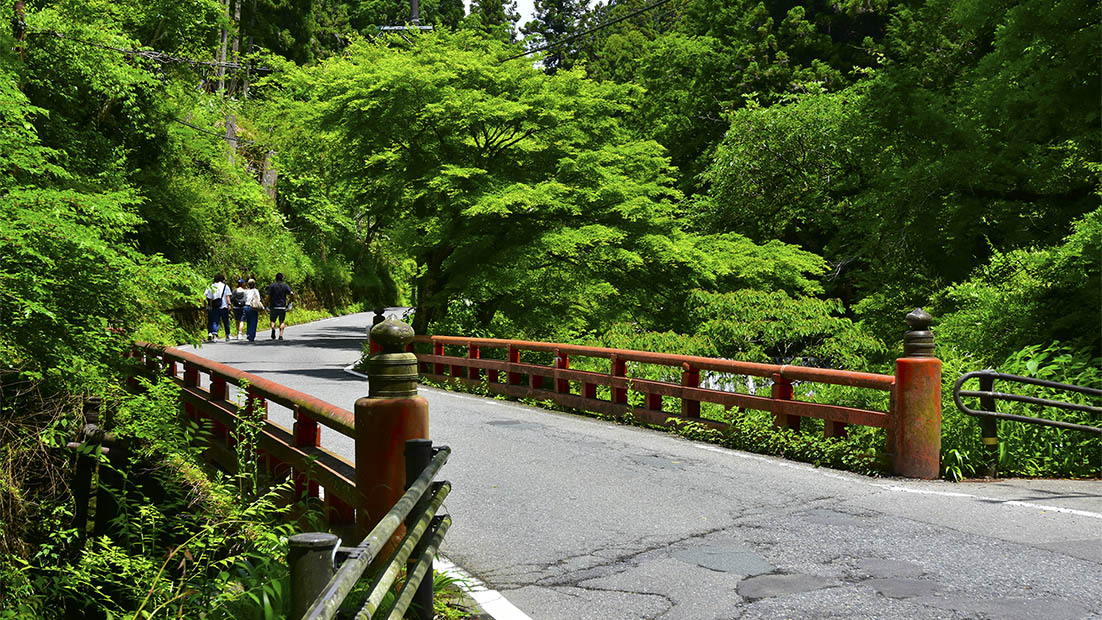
279	296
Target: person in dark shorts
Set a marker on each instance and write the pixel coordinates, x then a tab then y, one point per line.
279	296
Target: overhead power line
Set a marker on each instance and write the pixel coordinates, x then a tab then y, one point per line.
153	55
574	37
213	133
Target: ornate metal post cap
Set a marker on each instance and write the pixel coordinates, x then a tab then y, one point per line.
919	340
392	372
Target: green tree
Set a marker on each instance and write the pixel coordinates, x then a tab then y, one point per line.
554	21
516	192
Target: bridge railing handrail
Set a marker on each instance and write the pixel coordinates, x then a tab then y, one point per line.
787	411
339	419
849	378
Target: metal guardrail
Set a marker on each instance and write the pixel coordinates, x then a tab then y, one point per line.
424	531
988	398
989	416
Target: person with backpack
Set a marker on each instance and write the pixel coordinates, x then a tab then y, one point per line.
253	308
238	300
279	294
218	307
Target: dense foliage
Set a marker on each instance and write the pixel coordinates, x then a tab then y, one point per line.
754	179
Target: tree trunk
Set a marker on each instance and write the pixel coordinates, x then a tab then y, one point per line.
429	297
221	72
236	42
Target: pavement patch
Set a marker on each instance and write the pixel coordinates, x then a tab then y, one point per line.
769	586
901	587
741	560
883	569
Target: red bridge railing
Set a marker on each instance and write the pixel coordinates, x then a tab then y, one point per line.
284	452
912	421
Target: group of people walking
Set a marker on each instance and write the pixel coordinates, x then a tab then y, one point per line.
247	304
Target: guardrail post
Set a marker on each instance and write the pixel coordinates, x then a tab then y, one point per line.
514	358
782	390
989	427
418	456
690	377
391	413
90	437
619	368
562	386
310	558
916	452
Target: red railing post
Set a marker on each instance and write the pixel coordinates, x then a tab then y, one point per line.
457	371
514	358
782	390
132	379
170	368
654	401
916	449
306	433
191	380
832	429
562	362
218	393
472	354
690	377
438	351
390	414
619	368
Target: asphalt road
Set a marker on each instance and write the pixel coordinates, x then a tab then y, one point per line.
574	518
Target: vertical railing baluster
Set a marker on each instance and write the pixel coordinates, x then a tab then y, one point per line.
690	378
562	362
438	351
473	354
514	358
619	369
305	433
782	390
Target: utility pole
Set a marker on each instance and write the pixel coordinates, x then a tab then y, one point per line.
19	26
414	19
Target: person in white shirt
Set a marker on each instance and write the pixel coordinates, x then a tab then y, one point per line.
253	306
218	307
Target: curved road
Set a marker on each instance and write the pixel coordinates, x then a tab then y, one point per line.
574	518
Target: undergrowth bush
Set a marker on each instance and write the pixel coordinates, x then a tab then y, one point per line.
184	544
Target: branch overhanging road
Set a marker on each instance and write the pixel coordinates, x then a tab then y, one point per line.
572	518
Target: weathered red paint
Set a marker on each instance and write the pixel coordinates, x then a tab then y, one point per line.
690	377
472	354
562	362
916	437
382	427
782	390
619	368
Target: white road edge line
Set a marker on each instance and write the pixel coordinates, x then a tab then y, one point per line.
901	489
492	602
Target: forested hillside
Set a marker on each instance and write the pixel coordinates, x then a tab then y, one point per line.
762	180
